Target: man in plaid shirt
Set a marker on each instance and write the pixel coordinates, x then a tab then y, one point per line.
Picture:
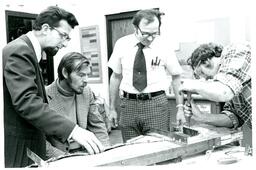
224	76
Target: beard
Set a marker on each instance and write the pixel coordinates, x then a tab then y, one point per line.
79	90
51	51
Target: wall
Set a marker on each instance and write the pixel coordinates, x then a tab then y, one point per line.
94	14
184	22
88	13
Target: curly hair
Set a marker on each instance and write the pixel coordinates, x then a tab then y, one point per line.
204	52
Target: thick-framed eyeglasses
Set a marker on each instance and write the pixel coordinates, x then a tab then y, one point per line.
63	35
197	70
147	34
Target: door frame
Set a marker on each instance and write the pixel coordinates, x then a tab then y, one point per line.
115	17
109	19
17	14
48	63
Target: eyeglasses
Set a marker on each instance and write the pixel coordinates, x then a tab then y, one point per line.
196	70
147	34
199	73
63	35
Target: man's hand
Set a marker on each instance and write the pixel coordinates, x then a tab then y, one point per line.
197	114
113	118
180	117
88	140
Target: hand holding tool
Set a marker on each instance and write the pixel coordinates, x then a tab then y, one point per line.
189	98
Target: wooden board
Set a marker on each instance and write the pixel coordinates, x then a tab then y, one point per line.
150	150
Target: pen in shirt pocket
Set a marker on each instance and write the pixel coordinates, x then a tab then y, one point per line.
155	62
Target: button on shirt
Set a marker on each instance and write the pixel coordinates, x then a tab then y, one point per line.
123	56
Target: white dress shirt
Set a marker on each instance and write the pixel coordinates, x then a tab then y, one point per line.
123	56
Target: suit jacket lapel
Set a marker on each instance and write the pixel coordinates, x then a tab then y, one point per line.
38	71
82	106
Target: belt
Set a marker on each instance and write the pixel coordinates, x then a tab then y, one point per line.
142	96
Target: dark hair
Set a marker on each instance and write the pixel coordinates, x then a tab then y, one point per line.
68	62
203	52
148	14
52	15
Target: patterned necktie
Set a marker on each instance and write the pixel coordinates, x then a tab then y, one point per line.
139	69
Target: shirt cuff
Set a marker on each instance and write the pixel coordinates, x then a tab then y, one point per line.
232	117
71	134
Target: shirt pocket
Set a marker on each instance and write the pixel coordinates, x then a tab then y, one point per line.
156	73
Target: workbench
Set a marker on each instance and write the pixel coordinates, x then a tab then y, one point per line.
222	155
150	150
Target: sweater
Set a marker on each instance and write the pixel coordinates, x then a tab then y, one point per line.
80	109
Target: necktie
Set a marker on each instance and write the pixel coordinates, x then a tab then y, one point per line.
139	69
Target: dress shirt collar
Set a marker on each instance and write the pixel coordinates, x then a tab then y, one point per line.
136	41
36	45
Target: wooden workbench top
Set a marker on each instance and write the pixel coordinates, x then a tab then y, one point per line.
149	150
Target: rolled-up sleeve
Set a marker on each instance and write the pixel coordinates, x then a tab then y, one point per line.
172	64
230	112
115	60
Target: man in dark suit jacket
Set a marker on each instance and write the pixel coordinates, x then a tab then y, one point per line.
27	116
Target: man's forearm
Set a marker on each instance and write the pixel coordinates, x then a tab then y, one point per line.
214	90
97	125
220	120
115	81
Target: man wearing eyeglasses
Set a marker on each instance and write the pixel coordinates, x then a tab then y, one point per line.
224	76
139	62
27	116
51	51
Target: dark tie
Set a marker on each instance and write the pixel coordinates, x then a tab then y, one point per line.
139	69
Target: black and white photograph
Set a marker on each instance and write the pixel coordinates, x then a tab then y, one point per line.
127	84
